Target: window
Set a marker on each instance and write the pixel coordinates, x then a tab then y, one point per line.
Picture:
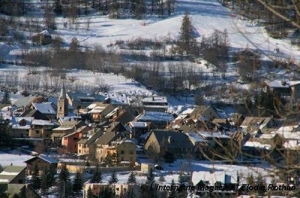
117	189
131	152
122	151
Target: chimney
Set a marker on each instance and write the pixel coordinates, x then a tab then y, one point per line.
152	97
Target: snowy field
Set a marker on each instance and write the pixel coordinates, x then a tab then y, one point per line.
14	157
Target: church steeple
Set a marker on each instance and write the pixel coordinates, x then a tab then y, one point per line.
62	94
62	103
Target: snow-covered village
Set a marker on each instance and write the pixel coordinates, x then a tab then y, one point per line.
149	98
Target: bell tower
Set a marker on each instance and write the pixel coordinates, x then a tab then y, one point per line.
62	103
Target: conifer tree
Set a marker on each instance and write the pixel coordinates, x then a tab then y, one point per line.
113	178
186	39
97	175
173	193
77	184
150	177
36	181
131	178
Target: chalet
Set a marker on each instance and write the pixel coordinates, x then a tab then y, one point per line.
42	129
204	114
13	175
175	142
46	108
106	142
24	101
41	38
36	114
123	117
43	162
82	100
86	147
98	111
254	124
155	103
284	88
69	141
291	144
126	150
20	126
159	119
66	128
139	128
200	179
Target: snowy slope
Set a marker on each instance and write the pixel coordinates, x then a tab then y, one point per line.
207	16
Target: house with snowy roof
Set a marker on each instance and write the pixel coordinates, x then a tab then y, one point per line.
159	119
139	128
86	147
99	111
69	141
66	128
43	162
42	128
155	103
176	142
253	125
20	126
46	108
82	100
284	88
200	179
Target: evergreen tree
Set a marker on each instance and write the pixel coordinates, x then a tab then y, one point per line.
161	179
186	40
36	181
6	98
64	174
173	193
77	184
51	176
107	192
131	178
113	178
150	177
65	186
44	183
97	175
180	178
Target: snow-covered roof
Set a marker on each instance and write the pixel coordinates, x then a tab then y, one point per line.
282	83
97	109
206	134
138	124
43	122
45	107
217	176
155	99
48	159
149	116
257	145
195	137
21	122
